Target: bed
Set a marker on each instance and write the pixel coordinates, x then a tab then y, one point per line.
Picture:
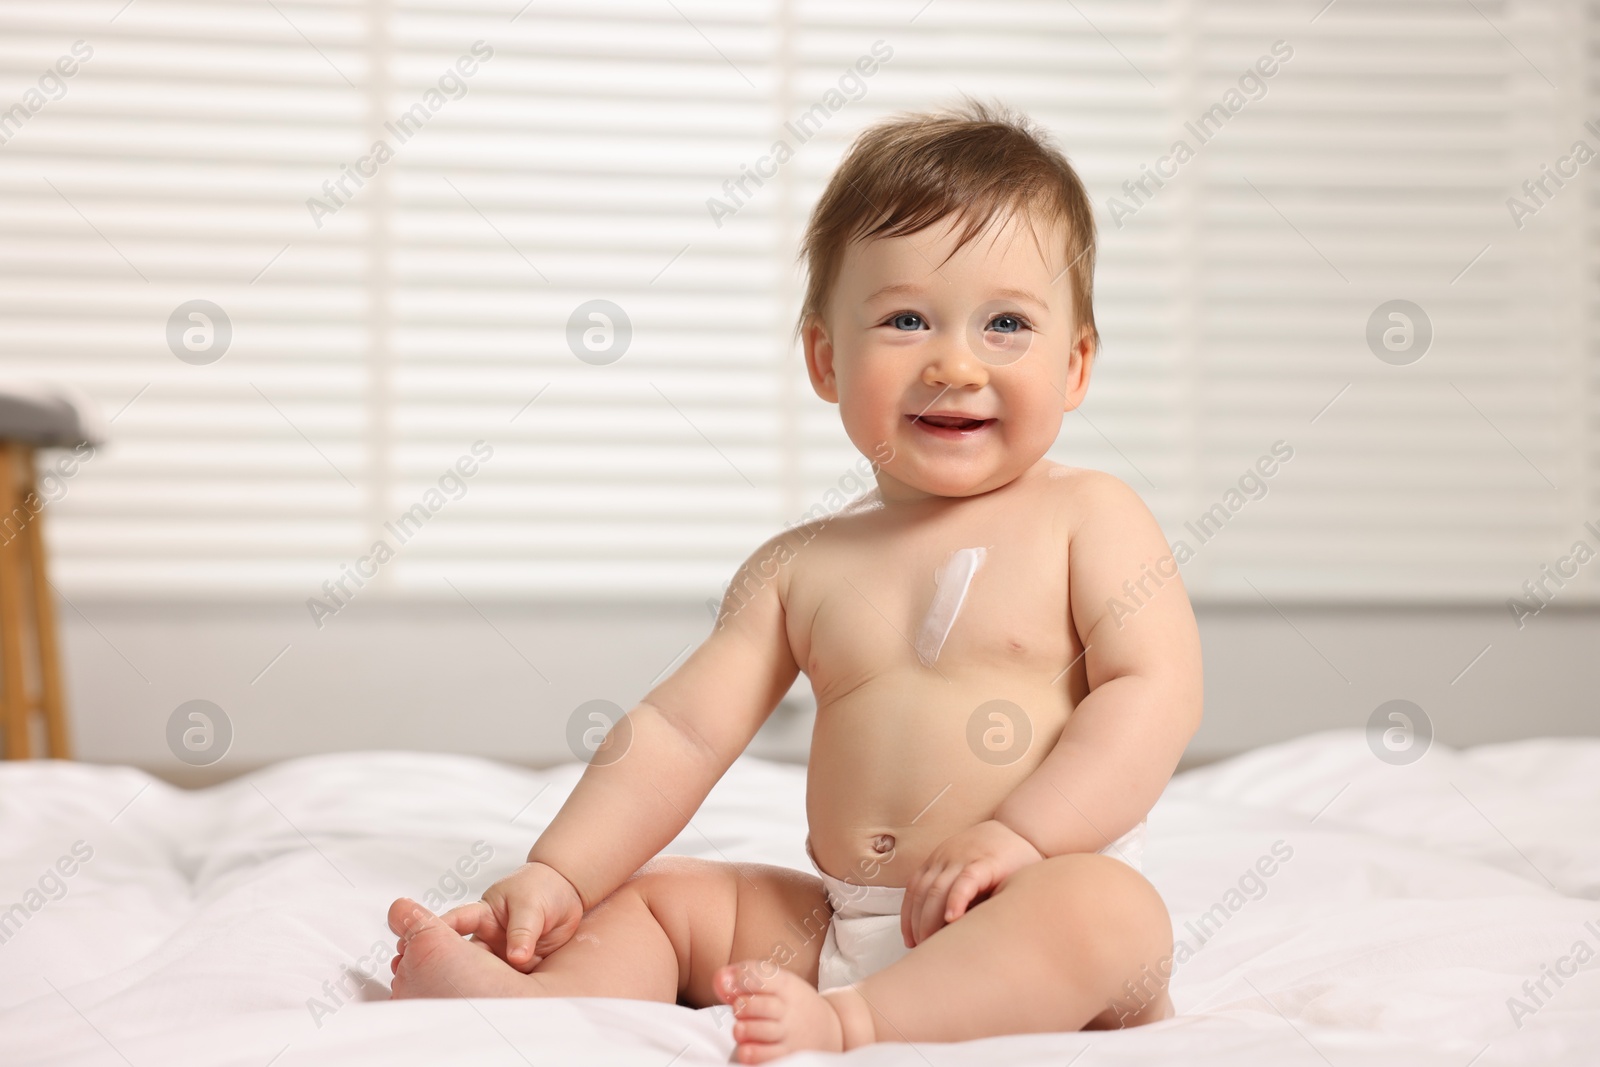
1408	911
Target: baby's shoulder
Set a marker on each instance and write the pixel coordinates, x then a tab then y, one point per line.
817	526
832	516
1085	484
1082	494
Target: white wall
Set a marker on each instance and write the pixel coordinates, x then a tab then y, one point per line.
445	678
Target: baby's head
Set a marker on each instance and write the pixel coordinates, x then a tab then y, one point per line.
951	269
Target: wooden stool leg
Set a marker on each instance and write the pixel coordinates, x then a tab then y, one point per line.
13	685
51	700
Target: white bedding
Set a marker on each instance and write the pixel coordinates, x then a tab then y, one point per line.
1412	908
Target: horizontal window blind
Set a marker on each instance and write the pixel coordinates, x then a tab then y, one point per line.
507	291
1377	168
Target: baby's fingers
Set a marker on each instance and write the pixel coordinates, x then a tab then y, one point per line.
522	937
931	916
479	922
915	903
968	884
469	919
909	906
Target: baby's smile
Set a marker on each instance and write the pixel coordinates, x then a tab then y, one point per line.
950	425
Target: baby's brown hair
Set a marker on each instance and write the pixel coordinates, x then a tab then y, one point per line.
975	160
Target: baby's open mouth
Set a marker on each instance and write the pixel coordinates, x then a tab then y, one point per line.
949	425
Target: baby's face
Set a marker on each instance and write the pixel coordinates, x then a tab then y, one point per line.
911	341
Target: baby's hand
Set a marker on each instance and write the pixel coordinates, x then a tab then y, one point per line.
963	867
524	916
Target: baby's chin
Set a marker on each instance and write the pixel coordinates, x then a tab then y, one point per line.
948	478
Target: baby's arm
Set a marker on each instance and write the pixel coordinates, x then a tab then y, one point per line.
685	733
1121	743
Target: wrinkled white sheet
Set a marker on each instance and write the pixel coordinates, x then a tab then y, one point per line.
1416	902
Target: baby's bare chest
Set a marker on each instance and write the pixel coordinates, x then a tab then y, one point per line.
948	599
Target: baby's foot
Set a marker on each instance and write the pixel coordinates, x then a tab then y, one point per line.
783	1013
435	961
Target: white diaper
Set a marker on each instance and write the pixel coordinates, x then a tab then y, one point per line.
864	933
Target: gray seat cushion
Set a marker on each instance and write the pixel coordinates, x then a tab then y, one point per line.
48	415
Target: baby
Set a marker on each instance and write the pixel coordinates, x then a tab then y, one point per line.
993	724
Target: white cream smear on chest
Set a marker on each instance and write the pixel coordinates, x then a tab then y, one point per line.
951	582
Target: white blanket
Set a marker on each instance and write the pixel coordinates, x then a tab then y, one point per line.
209	927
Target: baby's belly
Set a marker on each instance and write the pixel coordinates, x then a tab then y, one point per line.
908	759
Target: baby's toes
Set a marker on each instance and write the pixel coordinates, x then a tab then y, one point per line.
764	1030
735	981
405	916
775	1014
758	1006
760	1052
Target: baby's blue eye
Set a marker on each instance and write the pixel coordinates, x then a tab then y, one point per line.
907	320
1005	324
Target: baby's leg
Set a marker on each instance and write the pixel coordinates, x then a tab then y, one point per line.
660	936
1051	949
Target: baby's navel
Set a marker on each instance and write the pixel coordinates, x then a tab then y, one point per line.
883	843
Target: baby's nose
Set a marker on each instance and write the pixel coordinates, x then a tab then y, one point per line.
952	363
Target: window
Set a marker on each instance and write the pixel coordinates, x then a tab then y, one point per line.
368	315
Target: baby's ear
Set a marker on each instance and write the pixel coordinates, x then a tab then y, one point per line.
1080	361
819	357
